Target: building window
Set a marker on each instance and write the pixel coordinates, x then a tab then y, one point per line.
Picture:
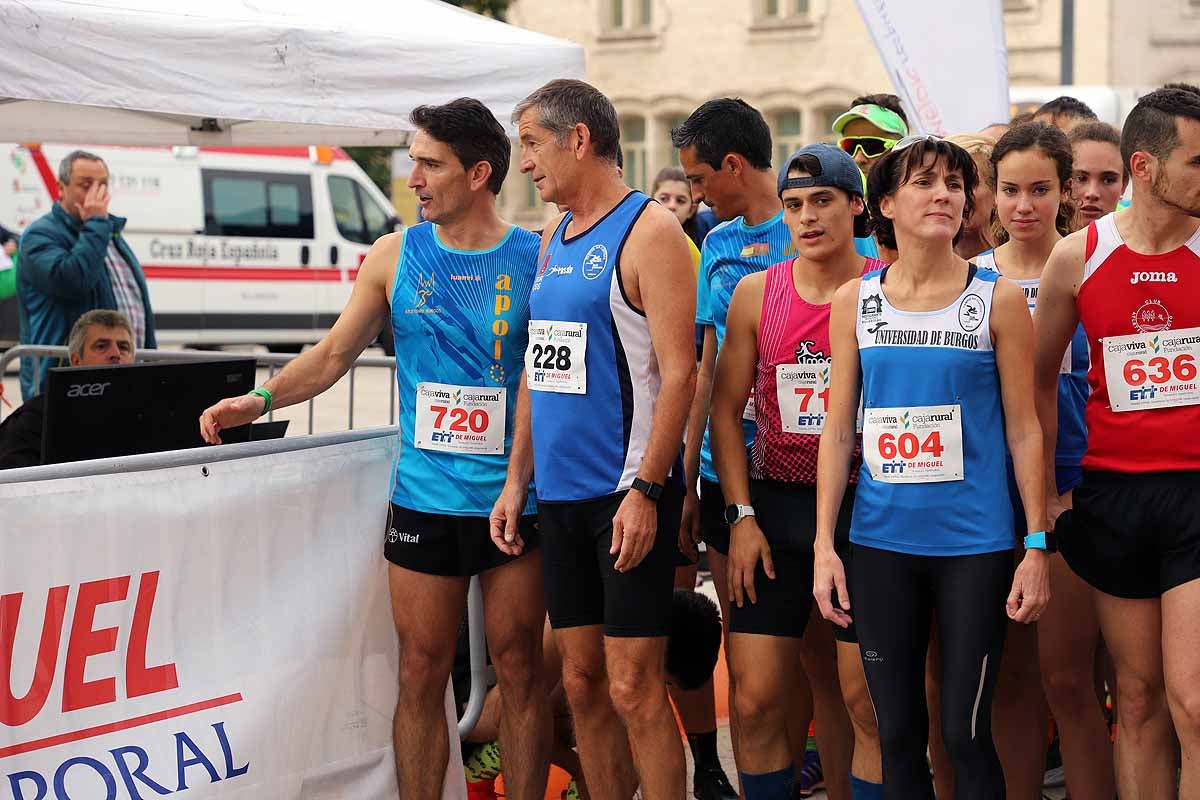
825	119
671	124
786	134
629	15
783	9
633	149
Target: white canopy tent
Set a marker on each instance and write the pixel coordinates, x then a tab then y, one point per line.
255	72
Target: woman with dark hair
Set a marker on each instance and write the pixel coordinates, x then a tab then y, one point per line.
1099	175
1033	166
940	349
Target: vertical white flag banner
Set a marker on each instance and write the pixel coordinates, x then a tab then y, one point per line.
947	60
218	631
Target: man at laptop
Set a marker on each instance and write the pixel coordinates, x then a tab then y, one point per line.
98	338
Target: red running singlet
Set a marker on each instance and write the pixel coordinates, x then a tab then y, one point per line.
793	368
1141	314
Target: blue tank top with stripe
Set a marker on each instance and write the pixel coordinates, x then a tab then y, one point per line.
589	438
1073	390
916	367
460	320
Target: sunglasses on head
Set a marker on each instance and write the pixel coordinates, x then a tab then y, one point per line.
909	141
871	146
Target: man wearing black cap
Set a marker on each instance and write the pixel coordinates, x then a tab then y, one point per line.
777	344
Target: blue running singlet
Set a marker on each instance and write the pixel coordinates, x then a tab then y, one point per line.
460	321
932	480
590	365
733	250
1073	390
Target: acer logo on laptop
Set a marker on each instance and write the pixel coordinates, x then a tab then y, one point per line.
87	389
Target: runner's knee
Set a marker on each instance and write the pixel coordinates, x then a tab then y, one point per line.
585	686
1185	711
516	663
1141	700
637	697
423	672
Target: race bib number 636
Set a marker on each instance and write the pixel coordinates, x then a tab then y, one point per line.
919	444
1152	370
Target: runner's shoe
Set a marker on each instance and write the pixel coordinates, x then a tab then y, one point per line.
812	777
712	784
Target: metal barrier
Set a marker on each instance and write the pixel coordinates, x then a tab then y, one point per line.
209	455
270	361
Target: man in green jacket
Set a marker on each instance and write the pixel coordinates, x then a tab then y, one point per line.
73	260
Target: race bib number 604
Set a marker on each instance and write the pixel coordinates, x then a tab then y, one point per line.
921	444
460	419
556	358
1152	370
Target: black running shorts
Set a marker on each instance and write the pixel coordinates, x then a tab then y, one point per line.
787	515
714	531
445	544
1134	535
582	586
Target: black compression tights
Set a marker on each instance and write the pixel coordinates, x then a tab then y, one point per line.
894	598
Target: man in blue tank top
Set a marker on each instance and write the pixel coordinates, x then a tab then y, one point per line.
456	292
610	371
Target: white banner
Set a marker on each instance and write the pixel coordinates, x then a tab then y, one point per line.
218	631
947	60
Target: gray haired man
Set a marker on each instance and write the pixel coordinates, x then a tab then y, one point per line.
98	338
73	260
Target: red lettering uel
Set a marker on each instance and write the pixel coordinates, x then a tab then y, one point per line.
140	680
17	711
85	642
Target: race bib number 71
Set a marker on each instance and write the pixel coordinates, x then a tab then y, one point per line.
921	444
1152	370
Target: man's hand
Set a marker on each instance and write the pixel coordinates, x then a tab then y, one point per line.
634	527
95	202
230	413
829	574
747	546
1031	587
505	520
689	527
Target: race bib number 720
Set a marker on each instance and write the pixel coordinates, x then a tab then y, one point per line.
1152	370
556	358
460	419
921	444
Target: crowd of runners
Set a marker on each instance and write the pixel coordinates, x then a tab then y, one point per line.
939	443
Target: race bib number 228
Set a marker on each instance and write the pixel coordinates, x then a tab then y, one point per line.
556	358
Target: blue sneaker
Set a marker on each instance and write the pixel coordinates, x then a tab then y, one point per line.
812	777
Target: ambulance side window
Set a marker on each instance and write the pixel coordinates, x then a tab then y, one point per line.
359	218
260	204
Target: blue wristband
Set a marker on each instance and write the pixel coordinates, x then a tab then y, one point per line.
1036	541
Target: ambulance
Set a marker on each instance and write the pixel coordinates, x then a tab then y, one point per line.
250	245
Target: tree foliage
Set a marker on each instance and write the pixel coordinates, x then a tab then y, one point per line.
492	8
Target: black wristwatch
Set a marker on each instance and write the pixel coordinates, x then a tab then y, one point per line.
650	489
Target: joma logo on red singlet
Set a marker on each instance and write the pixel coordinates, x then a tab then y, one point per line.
1152	277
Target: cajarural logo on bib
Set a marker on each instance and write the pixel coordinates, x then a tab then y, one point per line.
595	262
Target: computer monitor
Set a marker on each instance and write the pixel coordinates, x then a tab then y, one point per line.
123	410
